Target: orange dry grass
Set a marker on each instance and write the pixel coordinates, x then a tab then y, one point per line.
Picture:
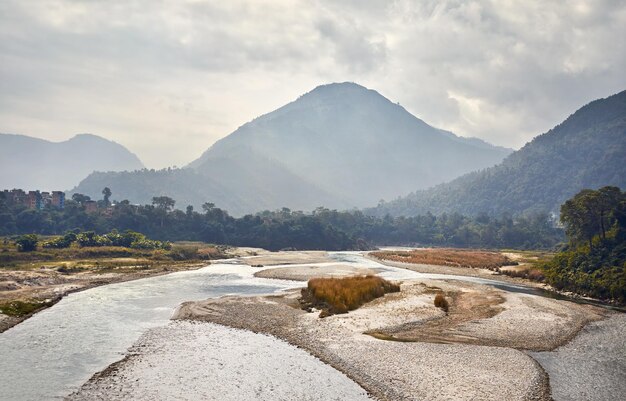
340	295
441	302
447	257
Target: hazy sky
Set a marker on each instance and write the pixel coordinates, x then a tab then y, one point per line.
168	78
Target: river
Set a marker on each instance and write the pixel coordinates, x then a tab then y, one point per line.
51	354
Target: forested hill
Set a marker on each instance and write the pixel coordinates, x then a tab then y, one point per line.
36	164
339	146
587	150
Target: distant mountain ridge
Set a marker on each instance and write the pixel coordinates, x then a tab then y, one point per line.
32	163
354	143
339	145
587	150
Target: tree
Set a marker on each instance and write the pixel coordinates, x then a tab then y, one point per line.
576	216
208	206
26	243
106	192
608	201
163	202
80	198
590	213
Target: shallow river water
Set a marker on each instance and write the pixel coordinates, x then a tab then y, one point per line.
51	354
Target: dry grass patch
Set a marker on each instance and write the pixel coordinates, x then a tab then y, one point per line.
448	257
340	295
441	302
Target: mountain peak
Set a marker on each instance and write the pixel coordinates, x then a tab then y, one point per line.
339	86
338	90
353	143
85	136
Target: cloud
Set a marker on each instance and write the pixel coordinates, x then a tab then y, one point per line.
168	78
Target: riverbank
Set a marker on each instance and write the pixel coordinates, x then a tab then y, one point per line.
34	284
463	271
396	347
44	288
497	276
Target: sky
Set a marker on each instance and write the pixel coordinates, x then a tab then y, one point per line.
167	79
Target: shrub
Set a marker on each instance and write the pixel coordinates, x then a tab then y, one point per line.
61	242
22	308
26	243
340	295
441	302
91	239
126	239
533	274
150	244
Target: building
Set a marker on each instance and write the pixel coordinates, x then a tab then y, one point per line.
90	206
58	199
33	200
15	197
108	211
46	199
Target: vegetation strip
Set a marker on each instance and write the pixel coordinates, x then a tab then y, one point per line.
340	295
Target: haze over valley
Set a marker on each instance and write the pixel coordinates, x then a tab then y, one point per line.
339	146
329	200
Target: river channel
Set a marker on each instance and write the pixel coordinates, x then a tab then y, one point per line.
51	354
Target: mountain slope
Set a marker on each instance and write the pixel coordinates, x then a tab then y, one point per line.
339	146
355	144
587	150
31	163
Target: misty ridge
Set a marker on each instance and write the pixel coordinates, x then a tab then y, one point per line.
339	146
343	146
32	163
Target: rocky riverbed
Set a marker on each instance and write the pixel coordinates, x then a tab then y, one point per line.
492	344
202	361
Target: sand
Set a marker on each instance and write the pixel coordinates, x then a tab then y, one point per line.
287	258
307	272
592	367
394	370
187	361
477	351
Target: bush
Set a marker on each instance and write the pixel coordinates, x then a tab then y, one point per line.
340	295
528	273
61	242
126	239
150	244
91	239
21	308
441	302
27	243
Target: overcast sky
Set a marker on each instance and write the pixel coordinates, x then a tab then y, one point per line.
168	78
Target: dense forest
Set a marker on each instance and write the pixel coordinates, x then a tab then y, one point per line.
273	230
587	150
594	262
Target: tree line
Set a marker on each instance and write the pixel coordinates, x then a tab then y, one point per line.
594	260
284	228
